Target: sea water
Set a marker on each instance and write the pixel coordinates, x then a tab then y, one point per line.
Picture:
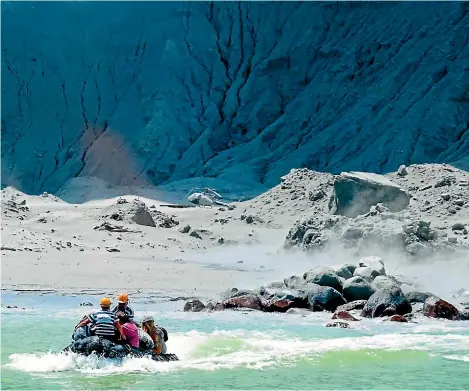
233	350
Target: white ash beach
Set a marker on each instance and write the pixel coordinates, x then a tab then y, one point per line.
97	246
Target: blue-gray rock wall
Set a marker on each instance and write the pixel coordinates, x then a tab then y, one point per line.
154	92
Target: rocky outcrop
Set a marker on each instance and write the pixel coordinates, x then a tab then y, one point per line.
393	297
438	308
355	193
387	302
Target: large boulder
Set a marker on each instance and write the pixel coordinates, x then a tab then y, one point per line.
143	217
249	301
381	282
357	288
387	302
373	262
438	308
323	276
356	192
194	305
324	298
344	271
367	273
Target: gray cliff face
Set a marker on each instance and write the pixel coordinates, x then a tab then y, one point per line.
152	93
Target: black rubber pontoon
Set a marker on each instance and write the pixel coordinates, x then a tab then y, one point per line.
104	348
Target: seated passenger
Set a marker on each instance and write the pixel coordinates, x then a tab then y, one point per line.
129	330
156	333
103	322
123	306
81	332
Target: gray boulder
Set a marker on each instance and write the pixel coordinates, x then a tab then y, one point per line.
294	282
357	288
194	305
344	271
366	273
418	297
381	282
402	170
323	276
373	262
387	302
324	298
143	217
356	192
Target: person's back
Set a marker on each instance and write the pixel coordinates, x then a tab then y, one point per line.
103	323
160	333
156	334
123	306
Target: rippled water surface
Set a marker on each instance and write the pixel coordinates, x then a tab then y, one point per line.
234	350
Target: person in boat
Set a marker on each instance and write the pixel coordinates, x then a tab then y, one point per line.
82	330
130	330
103	323
156	333
123	306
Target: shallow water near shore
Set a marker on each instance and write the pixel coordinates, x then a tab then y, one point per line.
234	350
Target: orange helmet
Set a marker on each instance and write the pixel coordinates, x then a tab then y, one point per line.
123	298
105	302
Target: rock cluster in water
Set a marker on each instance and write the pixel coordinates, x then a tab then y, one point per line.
364	289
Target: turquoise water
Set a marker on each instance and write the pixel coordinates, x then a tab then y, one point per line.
234	350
